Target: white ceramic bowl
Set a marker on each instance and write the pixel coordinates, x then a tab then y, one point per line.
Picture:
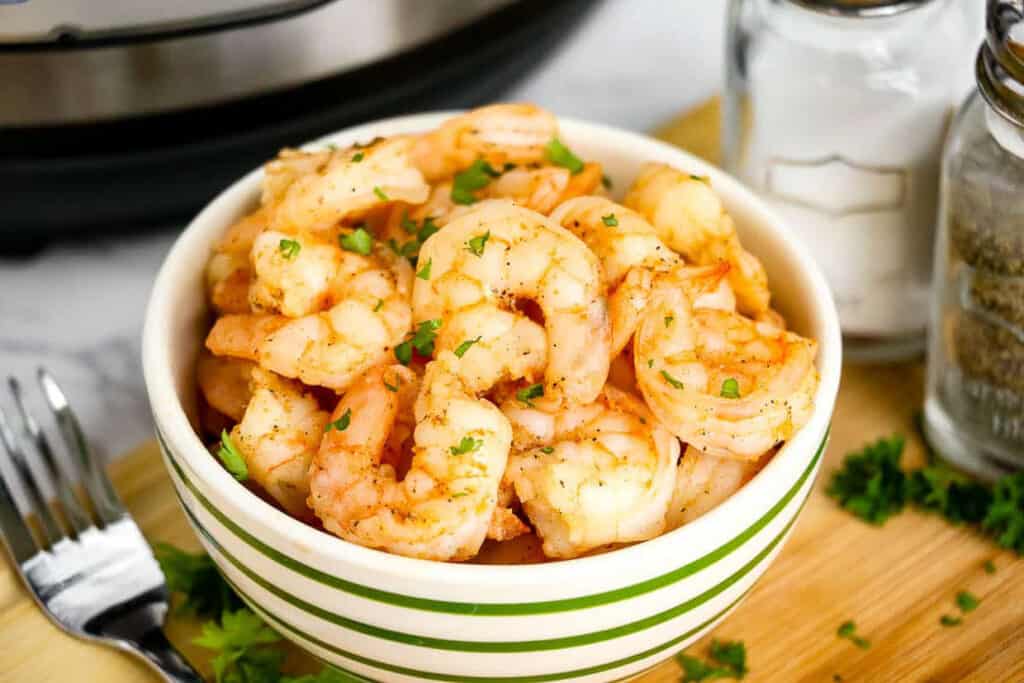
392	618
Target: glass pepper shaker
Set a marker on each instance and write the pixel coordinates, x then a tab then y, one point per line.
974	406
835	112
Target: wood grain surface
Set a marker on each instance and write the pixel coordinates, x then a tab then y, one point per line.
895	582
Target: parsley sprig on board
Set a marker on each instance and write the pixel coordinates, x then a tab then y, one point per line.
872	485
195	577
244	646
848	630
728	660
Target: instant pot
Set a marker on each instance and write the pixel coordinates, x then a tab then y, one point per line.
121	116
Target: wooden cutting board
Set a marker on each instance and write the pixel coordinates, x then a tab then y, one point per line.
895	582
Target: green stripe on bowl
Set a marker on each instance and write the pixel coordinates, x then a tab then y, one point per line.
478	646
496	608
280	624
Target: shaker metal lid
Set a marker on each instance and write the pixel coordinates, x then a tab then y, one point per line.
861	8
1000	65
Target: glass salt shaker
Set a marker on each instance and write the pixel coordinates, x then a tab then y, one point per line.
974	406
835	112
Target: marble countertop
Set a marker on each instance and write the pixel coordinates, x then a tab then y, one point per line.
78	310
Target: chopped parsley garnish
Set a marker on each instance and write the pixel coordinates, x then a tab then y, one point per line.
358	241
240	639
393	388
650	362
950	620
728	660
409	250
990	567
531	392
357	157
939	488
408	224
478	176
460	351
460	494
289	248
848	630
610	220
1004	518
672	380
380	303
341	424
967	602
606	181
547	450
870	483
476	245
403	352
195	576
232	459
467	445
243	645
422	341
669	319
730	388
560	155
699	178
426	332
427	229
424	272
380	194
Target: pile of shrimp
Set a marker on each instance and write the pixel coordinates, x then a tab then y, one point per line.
430	342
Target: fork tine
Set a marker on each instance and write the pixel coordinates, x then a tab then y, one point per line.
51	530
13	527
76	515
106	503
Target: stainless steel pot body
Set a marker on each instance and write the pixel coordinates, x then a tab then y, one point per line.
49	82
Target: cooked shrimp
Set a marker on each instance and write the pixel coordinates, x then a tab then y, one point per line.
721	382
277	437
689	217
594	474
542	189
289	166
704	285
499	345
621	374
499	134
498	252
343	185
371	315
704	481
621	238
224	383
240	335
292	274
505	523
228	272
442	508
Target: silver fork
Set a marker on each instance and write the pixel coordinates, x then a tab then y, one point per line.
94	575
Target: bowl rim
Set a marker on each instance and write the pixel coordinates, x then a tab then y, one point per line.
252	511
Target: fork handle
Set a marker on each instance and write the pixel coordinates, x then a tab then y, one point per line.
155	649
